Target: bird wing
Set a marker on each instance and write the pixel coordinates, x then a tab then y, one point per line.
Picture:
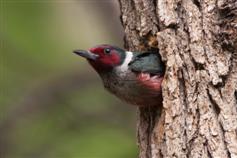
147	62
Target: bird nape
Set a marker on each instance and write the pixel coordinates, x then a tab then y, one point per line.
134	77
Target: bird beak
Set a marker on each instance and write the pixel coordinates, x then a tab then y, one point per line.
86	54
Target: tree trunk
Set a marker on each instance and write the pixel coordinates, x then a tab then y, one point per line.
197	40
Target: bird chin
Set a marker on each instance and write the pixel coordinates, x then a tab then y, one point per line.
99	68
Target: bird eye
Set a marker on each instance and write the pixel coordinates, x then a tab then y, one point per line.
107	50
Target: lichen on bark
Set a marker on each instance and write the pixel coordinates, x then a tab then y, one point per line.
198	44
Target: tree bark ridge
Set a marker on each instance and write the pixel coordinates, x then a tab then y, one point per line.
198	43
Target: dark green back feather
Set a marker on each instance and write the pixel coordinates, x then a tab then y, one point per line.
147	62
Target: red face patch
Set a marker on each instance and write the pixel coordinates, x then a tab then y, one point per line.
108	57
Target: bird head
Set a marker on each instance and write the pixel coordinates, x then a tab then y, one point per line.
103	58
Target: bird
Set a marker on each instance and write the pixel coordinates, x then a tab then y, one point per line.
134	77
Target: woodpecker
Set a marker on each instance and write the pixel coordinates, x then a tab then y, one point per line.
134	77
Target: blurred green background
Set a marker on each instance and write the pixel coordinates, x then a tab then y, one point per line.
52	104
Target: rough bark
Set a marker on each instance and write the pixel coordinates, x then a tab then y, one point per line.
197	40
